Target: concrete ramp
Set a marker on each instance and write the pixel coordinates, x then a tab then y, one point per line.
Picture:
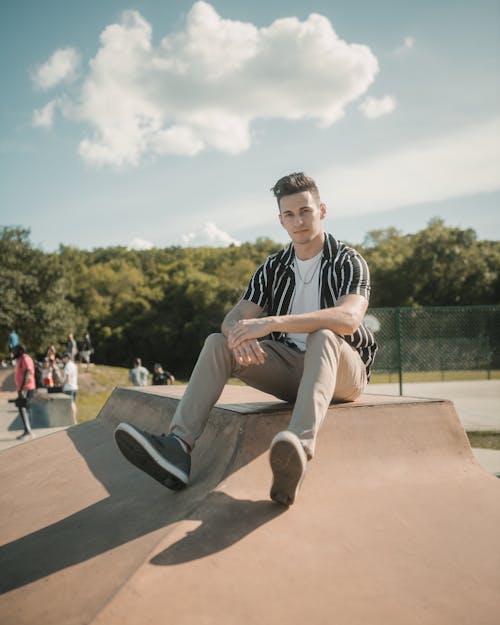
395	523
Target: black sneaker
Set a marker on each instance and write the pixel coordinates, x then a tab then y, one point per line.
288	462
25	436
161	457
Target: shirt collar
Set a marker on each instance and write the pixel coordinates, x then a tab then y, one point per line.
330	248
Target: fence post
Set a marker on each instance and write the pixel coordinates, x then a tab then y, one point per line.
400	350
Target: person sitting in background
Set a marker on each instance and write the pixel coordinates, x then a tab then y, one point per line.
162	377
138	375
25	385
70	382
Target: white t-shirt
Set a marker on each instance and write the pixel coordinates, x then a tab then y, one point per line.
306	295
70	376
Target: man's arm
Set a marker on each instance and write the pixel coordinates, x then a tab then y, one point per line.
247	351
343	319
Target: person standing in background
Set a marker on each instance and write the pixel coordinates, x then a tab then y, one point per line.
13	342
87	349
70	382
25	385
71	346
47	374
138	375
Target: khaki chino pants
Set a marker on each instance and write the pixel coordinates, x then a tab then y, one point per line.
328	370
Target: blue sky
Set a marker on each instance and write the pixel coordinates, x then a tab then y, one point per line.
165	122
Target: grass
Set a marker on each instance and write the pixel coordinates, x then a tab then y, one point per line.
96	384
484	440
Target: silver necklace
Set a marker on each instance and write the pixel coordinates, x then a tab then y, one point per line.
308	278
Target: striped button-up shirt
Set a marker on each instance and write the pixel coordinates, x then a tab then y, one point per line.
343	271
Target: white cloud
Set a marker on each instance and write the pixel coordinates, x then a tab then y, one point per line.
140	244
408	43
61	67
464	163
44	117
208	235
202	87
376	107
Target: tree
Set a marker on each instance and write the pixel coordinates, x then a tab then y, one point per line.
449	266
33	290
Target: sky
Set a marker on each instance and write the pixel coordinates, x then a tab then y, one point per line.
166	122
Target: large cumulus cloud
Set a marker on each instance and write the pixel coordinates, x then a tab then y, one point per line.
202	87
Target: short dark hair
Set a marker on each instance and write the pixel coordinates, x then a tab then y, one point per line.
18	350
294	183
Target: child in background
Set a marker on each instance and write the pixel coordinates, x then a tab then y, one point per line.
47	374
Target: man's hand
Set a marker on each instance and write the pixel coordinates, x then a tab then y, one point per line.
248	329
249	353
236	326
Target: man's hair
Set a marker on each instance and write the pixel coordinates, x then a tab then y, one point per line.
18	350
137	362
294	183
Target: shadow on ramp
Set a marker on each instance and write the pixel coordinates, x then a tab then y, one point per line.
132	511
224	522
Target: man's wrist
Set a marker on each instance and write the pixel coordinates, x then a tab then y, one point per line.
276	323
227	325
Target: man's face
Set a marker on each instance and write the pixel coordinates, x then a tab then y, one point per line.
301	214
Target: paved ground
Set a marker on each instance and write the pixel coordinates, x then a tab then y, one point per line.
477	402
395	522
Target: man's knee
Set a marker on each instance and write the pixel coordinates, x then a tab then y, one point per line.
324	336
215	341
216	338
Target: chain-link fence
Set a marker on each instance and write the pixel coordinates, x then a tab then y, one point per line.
448	338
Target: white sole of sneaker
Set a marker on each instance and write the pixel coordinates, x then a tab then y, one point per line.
288	463
152	453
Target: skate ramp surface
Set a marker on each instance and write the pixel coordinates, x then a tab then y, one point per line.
395	522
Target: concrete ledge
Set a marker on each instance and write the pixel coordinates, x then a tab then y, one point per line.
50	410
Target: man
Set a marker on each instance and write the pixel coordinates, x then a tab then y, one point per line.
71	346
315	293
25	385
162	377
70	382
139	375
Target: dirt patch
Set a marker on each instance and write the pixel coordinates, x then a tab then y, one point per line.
87	382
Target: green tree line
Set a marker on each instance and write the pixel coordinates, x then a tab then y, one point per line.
160	304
